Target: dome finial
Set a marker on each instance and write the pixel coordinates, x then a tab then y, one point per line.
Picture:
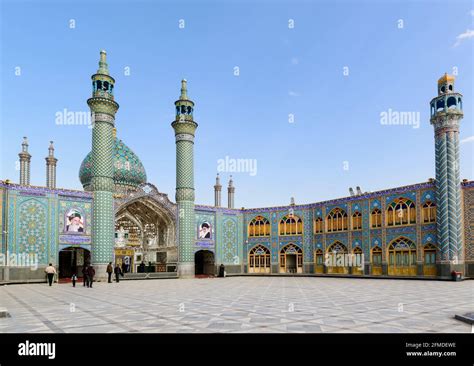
184	90
51	148
103	67
446	78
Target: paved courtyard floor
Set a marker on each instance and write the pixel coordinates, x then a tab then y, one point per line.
240	304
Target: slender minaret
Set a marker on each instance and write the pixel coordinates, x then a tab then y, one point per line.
103	109
25	160
184	129
51	163
446	114
230	193
217	192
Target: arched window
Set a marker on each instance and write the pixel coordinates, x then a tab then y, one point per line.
318	225
318	254
290	225
336	220
357	261
451	103
376	256
402	257
319	261
428	213
439	105
401	212
429	260
259	260
338	248
259	226
429	252
376	260
376	218
356	221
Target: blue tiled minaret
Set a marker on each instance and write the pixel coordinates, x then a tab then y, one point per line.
446	114
103	108
184	130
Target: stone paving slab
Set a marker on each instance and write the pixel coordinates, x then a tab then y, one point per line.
240	305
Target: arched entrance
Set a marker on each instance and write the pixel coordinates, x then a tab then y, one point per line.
72	260
291	259
337	254
204	263
402	258
145	230
259	260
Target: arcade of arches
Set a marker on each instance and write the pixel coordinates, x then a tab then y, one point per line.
401	259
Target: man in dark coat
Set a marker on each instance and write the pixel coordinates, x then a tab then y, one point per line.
117	272
85	275
109	271
91	274
221	270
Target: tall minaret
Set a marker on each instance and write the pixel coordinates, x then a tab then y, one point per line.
446	114
217	192
230	193
103	109
51	162
184	129
25	160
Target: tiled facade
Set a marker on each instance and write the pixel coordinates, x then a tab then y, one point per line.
420	230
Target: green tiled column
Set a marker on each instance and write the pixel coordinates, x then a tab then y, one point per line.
184	128
103	109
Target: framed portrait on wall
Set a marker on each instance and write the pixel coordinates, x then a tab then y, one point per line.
74	222
205	230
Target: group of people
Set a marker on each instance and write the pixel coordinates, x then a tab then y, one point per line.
88	273
117	271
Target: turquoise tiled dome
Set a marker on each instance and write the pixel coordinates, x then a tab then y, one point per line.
128	169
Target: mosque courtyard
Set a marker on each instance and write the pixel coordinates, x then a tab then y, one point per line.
239	305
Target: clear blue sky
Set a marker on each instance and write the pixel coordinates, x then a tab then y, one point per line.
282	71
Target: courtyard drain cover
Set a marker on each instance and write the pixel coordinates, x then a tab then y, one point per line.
4	313
467	318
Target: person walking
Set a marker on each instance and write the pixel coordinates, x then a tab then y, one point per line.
85	276
109	271
50	272
117	272
74	279
91	273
